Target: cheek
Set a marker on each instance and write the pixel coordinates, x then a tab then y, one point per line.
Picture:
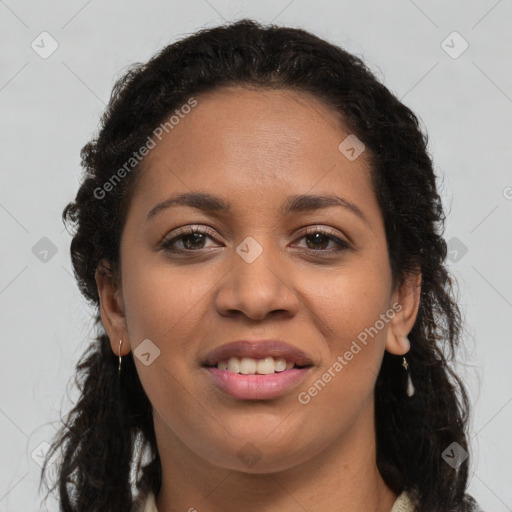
164	303
169	304
353	312
353	298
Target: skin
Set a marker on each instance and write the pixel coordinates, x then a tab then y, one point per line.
255	147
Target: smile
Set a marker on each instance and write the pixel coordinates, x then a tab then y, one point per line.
250	366
254	386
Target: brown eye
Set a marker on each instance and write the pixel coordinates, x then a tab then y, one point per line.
319	240
192	239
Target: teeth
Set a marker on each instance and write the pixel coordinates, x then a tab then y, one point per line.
281	365
250	366
223	365
234	365
265	366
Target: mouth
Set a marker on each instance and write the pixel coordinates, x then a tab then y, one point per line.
256	370
251	366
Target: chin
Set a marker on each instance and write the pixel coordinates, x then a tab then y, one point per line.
260	453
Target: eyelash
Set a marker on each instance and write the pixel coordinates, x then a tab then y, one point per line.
167	245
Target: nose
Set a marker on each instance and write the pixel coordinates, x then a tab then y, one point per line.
257	287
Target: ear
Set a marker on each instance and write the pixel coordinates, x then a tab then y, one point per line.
407	298
112	308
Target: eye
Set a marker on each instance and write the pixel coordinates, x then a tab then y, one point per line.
190	238
319	239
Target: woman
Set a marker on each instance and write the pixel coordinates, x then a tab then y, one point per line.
260	231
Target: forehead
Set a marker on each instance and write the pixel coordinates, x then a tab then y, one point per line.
267	122
253	144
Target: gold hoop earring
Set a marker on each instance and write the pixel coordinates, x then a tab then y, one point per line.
119	367
410	386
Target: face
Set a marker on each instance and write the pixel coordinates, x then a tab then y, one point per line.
313	275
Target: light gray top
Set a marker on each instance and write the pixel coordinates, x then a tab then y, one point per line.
402	504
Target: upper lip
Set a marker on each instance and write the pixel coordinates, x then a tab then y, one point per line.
257	349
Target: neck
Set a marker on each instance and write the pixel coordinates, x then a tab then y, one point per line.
343	477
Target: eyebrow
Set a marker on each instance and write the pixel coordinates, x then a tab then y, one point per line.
293	204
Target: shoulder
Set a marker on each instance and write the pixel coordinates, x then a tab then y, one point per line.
406	503
403	503
144	503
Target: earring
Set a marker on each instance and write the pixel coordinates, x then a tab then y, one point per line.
119	367
410	386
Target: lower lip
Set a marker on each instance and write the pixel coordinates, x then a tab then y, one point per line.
257	387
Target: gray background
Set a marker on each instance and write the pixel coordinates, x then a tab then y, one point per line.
51	107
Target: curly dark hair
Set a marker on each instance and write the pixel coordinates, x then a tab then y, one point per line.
109	432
